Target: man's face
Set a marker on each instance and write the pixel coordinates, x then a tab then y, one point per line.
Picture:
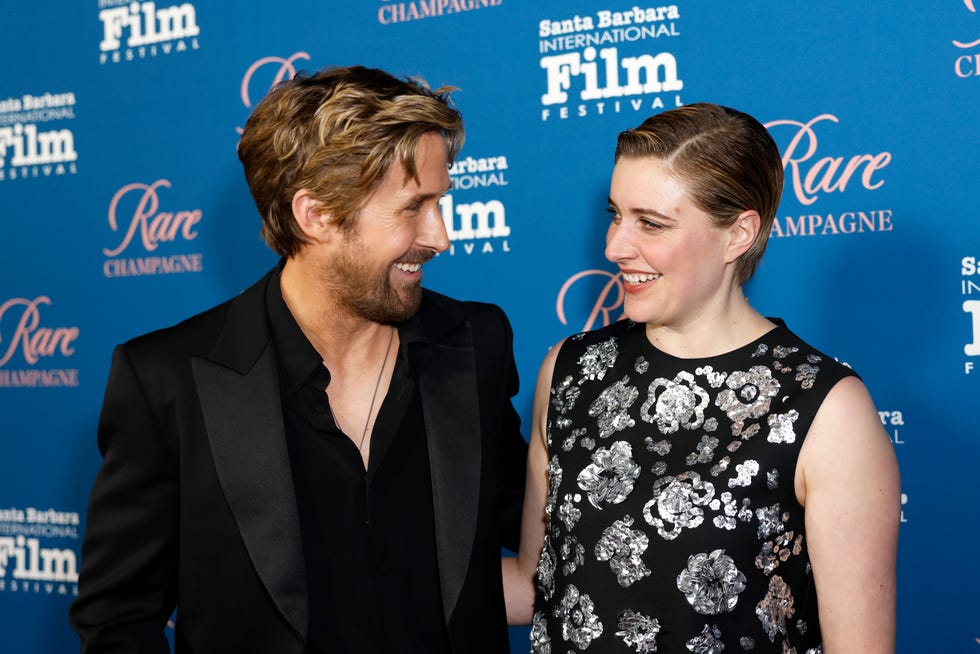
376	270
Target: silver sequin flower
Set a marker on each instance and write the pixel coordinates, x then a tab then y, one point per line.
568	513
569	443
572	555
781	351
598	358
540	641
715	379
709	642
750	431
579	623
748	396
661	447
722	465
678	501
546	570
563	395
771	519
781	427
554	481
729	507
679	403
745	513
611	408
623	548
610	476
778	551
638	631
704	451
744	472
775	608
711	582
806	374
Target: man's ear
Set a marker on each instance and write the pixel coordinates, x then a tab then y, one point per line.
317	226
742	233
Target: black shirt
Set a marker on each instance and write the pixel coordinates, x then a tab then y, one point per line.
368	536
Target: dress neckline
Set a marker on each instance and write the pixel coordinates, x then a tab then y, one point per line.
639	331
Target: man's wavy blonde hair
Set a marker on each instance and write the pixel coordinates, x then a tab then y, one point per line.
337	133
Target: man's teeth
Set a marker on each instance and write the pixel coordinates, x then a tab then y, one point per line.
409	267
639	278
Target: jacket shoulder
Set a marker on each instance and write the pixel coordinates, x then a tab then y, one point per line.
198	334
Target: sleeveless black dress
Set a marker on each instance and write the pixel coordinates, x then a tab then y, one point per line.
674	525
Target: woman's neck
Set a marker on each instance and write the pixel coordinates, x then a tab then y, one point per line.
711	333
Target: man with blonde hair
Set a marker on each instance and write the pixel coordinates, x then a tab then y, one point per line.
329	462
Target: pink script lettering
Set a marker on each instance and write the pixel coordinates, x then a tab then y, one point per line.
827	174
605	303
34	341
153	227
286	70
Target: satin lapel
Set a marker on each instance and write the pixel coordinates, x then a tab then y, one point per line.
448	388
243	416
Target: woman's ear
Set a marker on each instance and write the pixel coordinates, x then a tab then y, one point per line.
317	226
742	233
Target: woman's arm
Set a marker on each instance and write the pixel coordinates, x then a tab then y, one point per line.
519	571
849	483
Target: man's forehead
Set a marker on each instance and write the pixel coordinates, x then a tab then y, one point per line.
397	184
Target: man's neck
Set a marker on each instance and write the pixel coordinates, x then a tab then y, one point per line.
342	339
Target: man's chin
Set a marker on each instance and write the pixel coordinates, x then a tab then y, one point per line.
399	306
407	305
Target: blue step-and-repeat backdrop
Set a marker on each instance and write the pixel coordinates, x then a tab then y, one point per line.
123	208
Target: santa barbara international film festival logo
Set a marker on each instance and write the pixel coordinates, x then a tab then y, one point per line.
967	64
29	339
476	226
34	140
970	288
397	11
133	31
609	62
141	223
28	568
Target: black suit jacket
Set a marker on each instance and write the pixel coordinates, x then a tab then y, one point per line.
194	503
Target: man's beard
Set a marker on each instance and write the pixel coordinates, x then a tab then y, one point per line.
367	292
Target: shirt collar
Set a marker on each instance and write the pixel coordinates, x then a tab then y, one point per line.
298	359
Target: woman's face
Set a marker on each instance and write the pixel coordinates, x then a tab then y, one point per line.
672	256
